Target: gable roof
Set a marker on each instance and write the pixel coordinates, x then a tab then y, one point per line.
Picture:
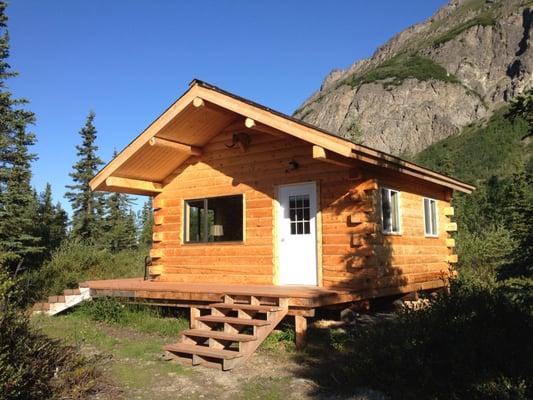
201	113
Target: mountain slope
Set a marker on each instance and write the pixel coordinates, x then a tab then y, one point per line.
431	80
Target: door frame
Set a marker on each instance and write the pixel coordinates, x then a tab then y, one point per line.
275	231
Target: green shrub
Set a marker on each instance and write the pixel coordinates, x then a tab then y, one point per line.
75	261
482	20
480	151
474	343
519	291
104	309
485	250
33	366
399	68
144	318
281	339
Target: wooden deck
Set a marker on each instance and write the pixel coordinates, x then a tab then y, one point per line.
301	299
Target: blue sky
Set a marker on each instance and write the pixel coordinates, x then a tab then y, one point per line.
129	59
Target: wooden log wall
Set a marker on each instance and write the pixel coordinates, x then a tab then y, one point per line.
354	254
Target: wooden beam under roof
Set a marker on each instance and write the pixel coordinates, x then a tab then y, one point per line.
321	154
252	125
198	102
134	185
184	148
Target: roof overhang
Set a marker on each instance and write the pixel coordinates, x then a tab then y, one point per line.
203	112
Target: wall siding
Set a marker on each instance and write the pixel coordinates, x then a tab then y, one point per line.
354	254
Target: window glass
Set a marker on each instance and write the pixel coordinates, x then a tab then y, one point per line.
216	219
299	214
395	211
390	210
427	216
430	217
195	218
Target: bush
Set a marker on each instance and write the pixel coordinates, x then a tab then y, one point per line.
75	261
167	321
399	68
474	343
104	309
481	253
282	338
33	366
482	20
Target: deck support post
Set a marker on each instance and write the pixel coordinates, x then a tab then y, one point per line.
300	323
195	313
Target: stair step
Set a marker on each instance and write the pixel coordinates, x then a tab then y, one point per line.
249	307
71	292
233	337
230	320
41	307
202	351
56	299
38	307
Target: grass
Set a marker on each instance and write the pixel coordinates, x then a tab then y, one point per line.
266	389
282	339
136	361
145	319
397	69
480	151
131	347
481	20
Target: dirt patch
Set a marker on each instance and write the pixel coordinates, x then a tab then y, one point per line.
133	367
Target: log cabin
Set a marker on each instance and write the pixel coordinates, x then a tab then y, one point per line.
258	215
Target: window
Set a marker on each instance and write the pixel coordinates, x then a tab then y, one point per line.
390	210
216	219
299	213
430	217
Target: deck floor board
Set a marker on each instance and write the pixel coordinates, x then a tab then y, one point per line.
298	295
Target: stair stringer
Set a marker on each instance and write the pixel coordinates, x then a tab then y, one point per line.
262	332
70	300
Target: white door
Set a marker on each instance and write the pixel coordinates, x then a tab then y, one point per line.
297	234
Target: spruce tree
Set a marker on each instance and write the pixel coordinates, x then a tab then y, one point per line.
51	222
146	220
87	213
121	230
17	201
519	213
522	107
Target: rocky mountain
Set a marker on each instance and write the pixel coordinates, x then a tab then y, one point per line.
431	80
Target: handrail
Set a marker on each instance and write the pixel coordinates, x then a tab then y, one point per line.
147	264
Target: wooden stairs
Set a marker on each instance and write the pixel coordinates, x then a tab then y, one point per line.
228	332
57	304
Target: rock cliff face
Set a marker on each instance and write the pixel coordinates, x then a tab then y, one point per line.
432	79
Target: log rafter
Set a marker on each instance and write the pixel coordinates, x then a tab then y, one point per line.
181	147
321	154
136	185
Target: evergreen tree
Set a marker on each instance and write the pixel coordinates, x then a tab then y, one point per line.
519	212
146	220
51	223
522	107
121	232
87	218
17	201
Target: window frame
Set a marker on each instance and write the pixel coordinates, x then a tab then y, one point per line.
400	225
185	219
436	215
